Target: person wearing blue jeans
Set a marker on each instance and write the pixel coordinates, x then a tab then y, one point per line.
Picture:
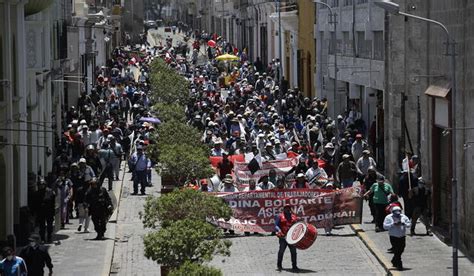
140	166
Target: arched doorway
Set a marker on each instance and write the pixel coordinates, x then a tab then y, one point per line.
3	198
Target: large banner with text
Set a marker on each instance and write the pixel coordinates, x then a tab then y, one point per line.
256	211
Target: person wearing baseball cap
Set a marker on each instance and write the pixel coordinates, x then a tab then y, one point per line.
380	192
283	223
300	182
396	223
358	147
346	172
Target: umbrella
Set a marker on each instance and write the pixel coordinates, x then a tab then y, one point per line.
151	120
227	57
211	43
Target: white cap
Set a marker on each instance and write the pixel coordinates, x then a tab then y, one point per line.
82	160
300	175
396	209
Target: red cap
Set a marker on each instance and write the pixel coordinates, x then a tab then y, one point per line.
359	135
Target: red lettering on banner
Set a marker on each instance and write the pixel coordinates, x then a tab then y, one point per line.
255	211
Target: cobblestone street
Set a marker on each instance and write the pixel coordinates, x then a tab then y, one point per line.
340	254
128	258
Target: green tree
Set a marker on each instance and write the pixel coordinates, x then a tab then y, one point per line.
183	162
183	204
195	269
185	240
169	87
170	112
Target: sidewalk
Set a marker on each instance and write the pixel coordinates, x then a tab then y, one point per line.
128	256
424	255
75	253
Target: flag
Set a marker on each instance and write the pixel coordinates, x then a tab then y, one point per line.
255	164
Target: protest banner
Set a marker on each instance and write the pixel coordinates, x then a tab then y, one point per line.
256	211
243	175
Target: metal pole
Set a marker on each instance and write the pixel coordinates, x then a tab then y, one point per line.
454	203
451	51
280	69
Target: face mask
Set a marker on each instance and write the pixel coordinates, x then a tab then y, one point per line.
10	257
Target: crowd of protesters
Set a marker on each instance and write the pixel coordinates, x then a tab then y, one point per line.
237	107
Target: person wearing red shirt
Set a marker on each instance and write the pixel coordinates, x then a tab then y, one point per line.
283	223
225	166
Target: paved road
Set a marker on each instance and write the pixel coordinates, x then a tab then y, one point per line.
340	254
128	257
78	254
424	255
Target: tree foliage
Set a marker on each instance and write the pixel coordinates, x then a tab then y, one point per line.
185	240
167	85
170	112
183	204
184	162
195	269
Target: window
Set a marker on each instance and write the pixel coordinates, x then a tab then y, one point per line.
347	3
362	1
346	48
364	47
332	43
335	3
379	47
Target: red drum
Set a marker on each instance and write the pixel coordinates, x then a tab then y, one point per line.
301	235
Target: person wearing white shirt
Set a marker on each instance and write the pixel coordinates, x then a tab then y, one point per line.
365	162
396	223
316	175
252	187
265	184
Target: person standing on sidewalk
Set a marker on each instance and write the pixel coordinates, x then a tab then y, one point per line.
139	165
396	223
36	257
380	192
283	222
44	200
100	208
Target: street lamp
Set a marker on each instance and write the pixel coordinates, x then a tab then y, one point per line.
332	20
394	8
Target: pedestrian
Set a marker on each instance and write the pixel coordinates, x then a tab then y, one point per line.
12	265
227	185
421	195
105	156
396	223
139	164
100	208
225	166
380	192
44	200
64	188
36	257
265	184
82	207
283	223
116	158
346	172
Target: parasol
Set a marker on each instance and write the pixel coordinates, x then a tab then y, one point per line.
151	120
227	57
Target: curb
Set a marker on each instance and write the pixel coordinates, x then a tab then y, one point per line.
386	264
113	219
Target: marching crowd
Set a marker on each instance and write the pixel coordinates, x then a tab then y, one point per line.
242	110
237	107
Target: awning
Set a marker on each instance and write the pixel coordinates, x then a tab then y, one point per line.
439	89
289	20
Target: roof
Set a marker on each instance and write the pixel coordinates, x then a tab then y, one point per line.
440	89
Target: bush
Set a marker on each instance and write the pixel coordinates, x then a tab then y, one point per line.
183	204
194	269
170	112
168	86
185	240
183	162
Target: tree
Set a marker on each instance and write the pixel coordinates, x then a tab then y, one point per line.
170	112
168	86
185	240
180	205
195	269
184	162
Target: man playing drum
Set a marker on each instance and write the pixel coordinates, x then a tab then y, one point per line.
283	222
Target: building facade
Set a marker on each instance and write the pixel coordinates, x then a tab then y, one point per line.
418	105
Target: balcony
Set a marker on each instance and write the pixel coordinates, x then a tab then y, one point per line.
35	6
